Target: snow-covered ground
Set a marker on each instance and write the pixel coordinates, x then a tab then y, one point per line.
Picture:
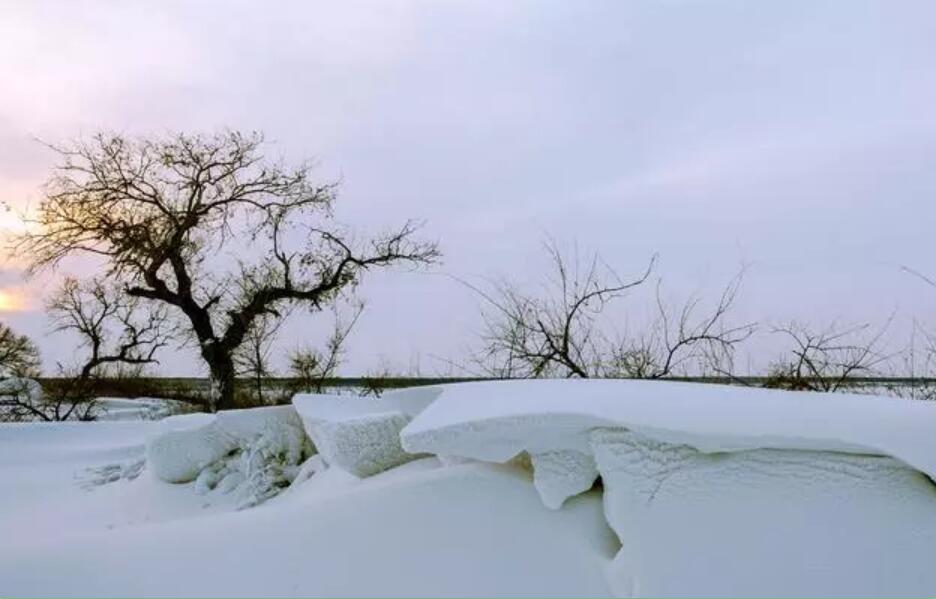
421	529
704	491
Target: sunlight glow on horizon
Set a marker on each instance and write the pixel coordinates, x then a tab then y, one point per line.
11	301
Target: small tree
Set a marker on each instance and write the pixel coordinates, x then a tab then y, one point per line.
19	356
557	333
159	211
560	333
679	338
826	359
311	368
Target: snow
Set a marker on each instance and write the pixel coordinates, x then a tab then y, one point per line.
560	474
185	445
359	435
716	490
140	408
256	452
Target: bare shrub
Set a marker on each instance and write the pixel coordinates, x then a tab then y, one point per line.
560	333
826	359
312	368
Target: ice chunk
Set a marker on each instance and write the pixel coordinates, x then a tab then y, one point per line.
183	446
363	445
358	435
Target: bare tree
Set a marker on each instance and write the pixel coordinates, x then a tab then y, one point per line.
19	356
94	310
311	367
679	338
826	359
557	333
116	331
119	333
159	211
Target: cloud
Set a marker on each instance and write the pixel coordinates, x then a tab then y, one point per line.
801	132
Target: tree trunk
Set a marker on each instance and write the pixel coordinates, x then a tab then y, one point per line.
221	394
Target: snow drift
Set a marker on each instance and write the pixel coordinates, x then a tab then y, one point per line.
716	490
705	490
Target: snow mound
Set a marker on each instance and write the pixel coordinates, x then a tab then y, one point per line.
763	522
494	421
358	435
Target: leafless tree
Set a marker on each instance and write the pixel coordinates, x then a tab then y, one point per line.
560	334
312	367
680	338
556	334
116	331
19	356
159	210
119	333
915	366
94	311
827	359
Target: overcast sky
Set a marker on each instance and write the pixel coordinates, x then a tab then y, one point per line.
798	137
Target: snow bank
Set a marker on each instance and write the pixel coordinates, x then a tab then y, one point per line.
494	421
359	435
764	522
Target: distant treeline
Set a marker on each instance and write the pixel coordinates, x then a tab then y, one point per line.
194	389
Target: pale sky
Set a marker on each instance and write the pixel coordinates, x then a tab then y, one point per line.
798	137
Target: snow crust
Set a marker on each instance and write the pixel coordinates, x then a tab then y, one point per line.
361	436
495	421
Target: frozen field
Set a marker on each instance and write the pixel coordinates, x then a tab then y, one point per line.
537	488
